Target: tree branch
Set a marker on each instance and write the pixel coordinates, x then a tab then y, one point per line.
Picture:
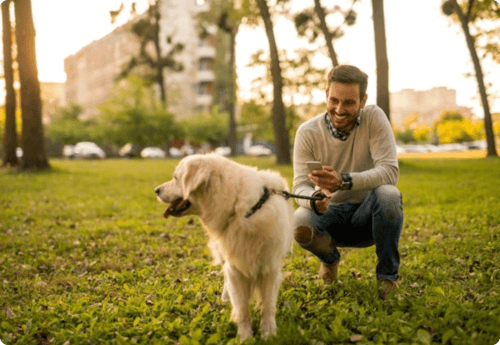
469	9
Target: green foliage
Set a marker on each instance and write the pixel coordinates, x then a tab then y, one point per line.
133	114
86	257
207	127
67	128
484	15
257	117
422	133
307	23
2	124
405	136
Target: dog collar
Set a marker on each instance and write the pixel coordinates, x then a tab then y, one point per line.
259	203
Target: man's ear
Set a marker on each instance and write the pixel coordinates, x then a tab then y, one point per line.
194	177
363	101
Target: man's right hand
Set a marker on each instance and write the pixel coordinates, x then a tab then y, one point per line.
322	205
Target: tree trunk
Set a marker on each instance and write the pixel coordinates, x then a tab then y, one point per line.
159	69
34	156
279	117
381	57
320	12
10	138
232	95
488	125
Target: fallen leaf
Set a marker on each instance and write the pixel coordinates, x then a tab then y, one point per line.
355	338
10	313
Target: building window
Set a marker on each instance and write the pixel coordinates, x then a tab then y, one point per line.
206	64
207	41
206	88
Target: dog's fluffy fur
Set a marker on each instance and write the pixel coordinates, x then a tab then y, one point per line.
251	250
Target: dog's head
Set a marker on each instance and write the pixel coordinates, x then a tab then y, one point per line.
190	176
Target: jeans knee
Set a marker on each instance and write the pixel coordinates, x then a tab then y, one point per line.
302	234
389	197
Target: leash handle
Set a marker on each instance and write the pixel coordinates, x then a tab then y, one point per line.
287	195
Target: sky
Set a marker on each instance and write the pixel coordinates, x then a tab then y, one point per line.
425	49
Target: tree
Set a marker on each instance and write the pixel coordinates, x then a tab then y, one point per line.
310	21
469	12
132	114
282	142
34	156
148	31
66	128
227	18
381	57
10	134
207	127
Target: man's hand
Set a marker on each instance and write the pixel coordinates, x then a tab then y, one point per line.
326	179
322	205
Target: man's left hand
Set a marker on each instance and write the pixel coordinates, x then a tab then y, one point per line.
327	179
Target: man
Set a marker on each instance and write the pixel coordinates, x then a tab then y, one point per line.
356	147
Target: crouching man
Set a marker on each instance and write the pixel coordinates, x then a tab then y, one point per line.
356	147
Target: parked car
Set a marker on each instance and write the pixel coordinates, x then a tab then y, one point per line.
174	152
89	150
223	151
258	150
153	152
129	150
69	151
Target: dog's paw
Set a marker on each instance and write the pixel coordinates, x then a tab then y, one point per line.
245	331
268	329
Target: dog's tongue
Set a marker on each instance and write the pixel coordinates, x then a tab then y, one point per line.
174	205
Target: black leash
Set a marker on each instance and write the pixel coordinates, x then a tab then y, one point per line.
283	193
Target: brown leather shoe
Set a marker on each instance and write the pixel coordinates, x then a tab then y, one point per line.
387	288
329	273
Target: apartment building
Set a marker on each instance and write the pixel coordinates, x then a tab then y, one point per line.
428	103
91	72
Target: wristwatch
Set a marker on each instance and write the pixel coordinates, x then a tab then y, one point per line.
346	182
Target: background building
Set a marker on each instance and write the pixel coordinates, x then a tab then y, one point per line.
429	104
91	72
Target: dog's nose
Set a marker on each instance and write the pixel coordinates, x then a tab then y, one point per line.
157	191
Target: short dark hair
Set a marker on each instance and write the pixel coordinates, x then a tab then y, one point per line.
347	74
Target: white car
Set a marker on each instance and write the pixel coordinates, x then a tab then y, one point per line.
87	149
69	151
223	151
174	152
258	150
153	152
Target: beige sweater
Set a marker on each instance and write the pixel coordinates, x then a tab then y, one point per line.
369	155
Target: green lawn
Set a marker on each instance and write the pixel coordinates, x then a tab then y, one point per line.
86	258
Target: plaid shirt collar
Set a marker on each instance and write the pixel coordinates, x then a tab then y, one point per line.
342	136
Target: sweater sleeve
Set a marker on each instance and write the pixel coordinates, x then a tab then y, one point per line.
383	152
302	152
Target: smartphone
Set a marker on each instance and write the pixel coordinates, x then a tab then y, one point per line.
314	165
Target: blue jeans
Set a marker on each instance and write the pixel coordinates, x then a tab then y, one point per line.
378	220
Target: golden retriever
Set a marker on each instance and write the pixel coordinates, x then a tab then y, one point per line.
251	246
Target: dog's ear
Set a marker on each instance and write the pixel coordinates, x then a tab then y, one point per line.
196	174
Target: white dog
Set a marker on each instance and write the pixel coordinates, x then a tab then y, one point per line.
248	225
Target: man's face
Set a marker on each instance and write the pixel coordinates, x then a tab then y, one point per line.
343	105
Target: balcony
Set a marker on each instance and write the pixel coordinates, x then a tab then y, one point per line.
206	75
206	51
204	100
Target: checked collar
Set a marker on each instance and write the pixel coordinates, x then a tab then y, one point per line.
342	136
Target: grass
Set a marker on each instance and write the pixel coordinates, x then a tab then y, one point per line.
86	258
